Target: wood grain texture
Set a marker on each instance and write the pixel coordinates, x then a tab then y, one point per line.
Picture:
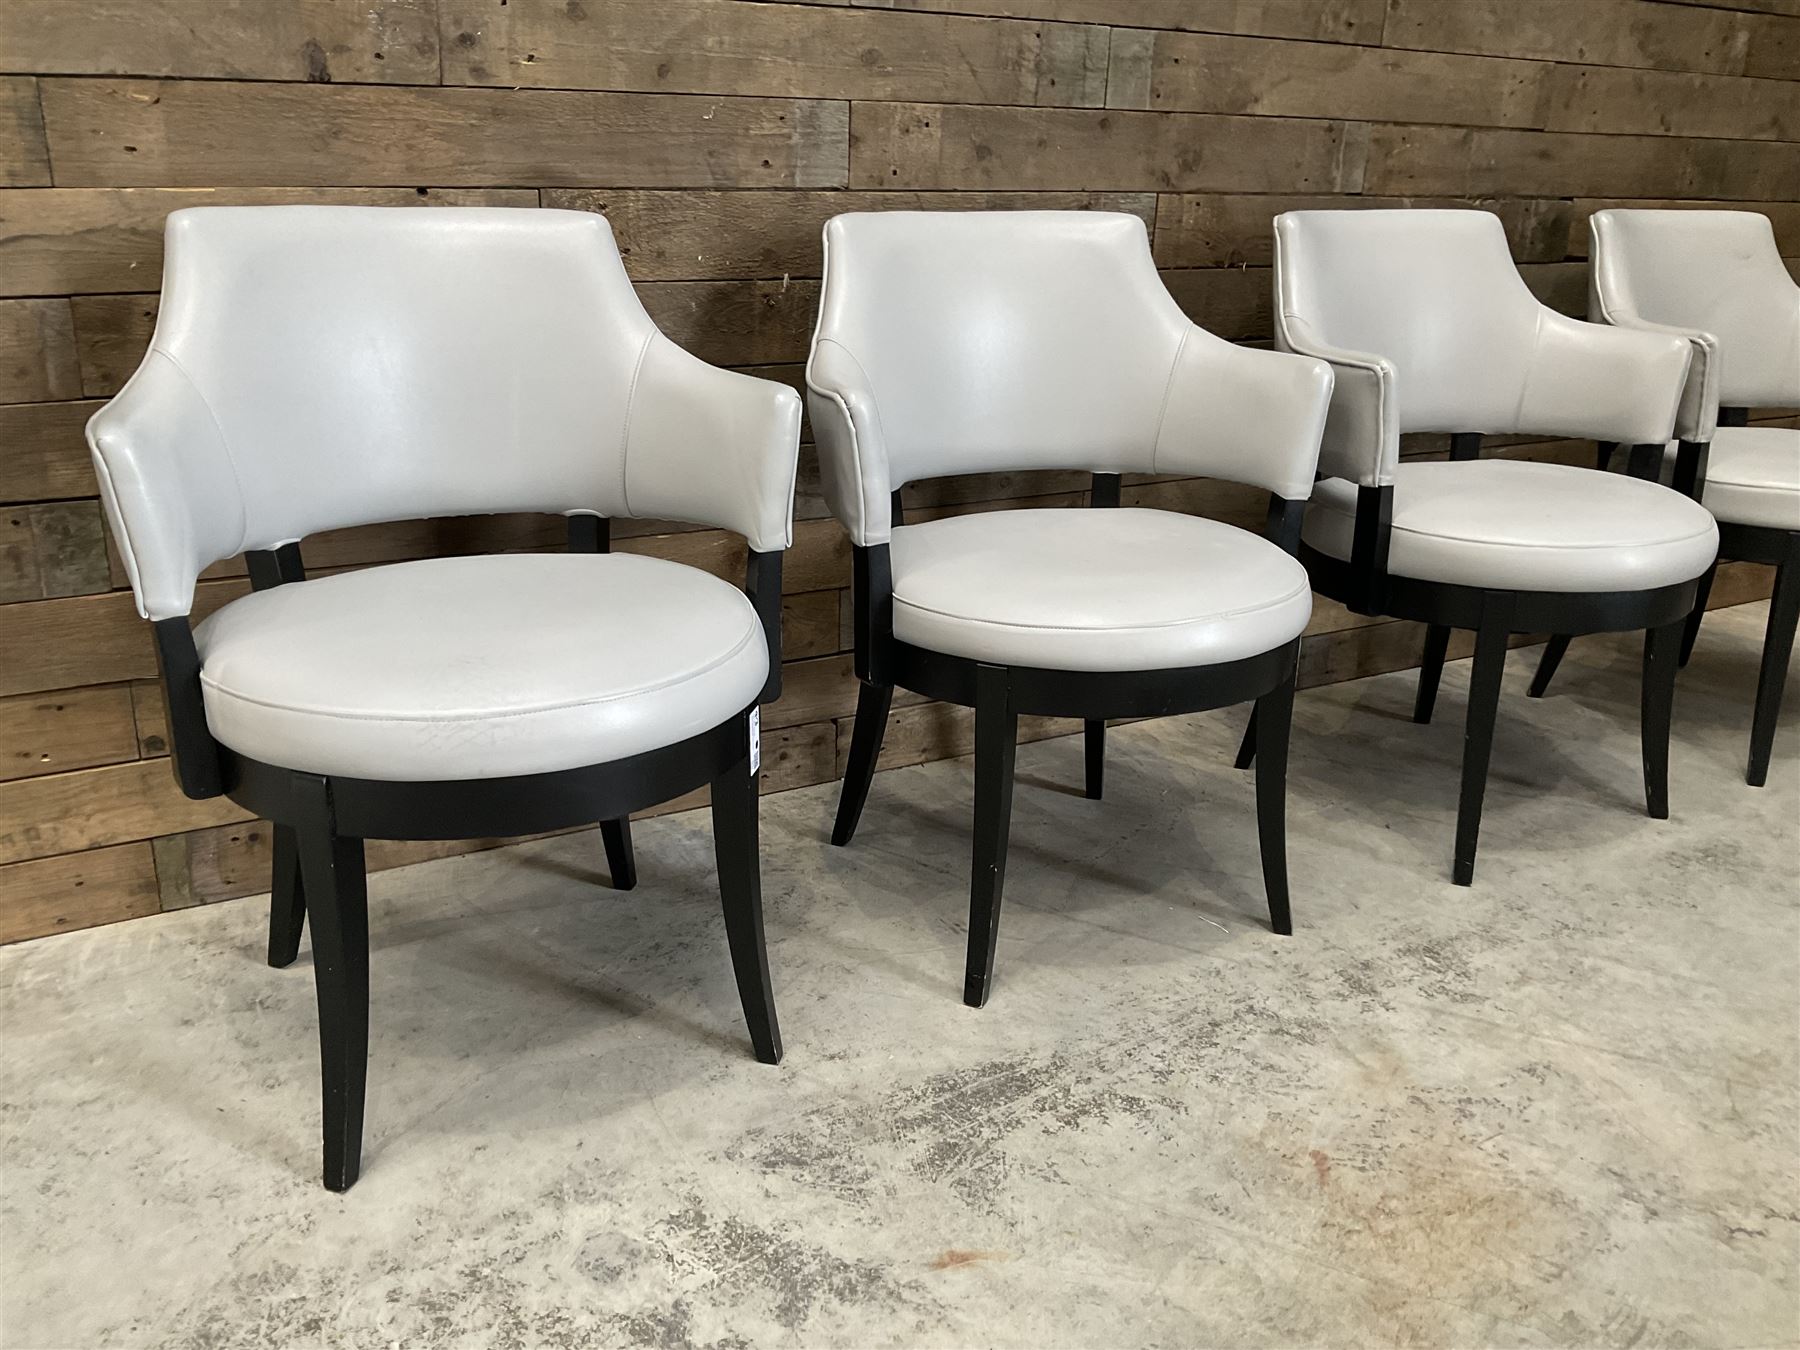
349	41
1207	73
179	133
726	47
84	241
718	136
78	890
43	453
910	145
1501	162
1316	20
24	156
1591	32
682	236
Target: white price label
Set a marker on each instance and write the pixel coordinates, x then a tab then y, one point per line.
755	740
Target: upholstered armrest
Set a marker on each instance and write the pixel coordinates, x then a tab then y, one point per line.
1361	440
1247	415
853	460
1699	410
168	483
1607	384
712	446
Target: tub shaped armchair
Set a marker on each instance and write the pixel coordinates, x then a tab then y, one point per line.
1431	328
975	342
320	367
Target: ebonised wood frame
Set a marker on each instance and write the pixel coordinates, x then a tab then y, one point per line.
1001	694
321	822
1741	543
1366	586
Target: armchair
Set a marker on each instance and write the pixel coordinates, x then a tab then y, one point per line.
1430	328
973	342
319	367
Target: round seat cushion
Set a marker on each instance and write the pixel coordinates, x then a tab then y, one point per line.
1504	524
481	667
1753	476
1099	589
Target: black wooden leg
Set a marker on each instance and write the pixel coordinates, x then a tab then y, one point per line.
1431	671
1662	651
1603	453
996	743
287	900
1094	740
621	862
338	905
1246	755
1778	646
872	702
1274	714
1547	664
1478	734
1691	633
734	816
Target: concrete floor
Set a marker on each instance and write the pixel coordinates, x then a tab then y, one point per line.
1559	1108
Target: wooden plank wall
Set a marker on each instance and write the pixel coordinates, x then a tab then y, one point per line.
717	135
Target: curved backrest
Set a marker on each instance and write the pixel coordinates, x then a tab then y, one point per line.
1003	340
322	366
1716	271
1433	292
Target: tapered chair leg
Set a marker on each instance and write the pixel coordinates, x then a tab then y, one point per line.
1246	755
338	906
1778	646
1662	652
1478	733
1691	630
1431	671
287	900
1603	453
1274	715
621	862
872	701
996	744
734	816
1547	664
1094	741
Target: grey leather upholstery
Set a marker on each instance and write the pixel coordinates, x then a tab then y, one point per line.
480	667
1430	328
323	366
1519	525
966	342
1752	476
1113	589
1716	279
319	367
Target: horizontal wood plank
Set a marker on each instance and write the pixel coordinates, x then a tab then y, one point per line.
179	133
350	41
69	812
24	155
1669	103
37	352
81	890
1457	160
1592	32
85	241
43	452
1208	73
725	47
1222	230
65	730
693	235
911	145
1316	20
